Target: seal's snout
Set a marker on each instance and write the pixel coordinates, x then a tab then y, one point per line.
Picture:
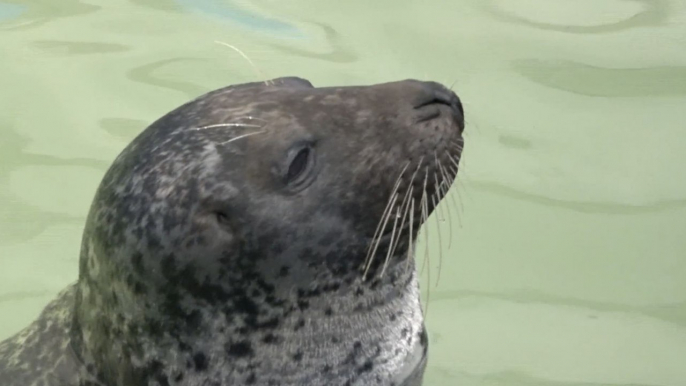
431	96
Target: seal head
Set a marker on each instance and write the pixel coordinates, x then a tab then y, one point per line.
262	234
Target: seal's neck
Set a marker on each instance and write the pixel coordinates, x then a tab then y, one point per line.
366	329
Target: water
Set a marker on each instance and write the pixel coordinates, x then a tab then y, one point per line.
569	267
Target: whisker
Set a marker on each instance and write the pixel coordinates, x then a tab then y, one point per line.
226	125
440	243
259	73
459	218
410	250
444	174
404	216
458	145
405	204
459	198
243	136
440	214
388	255
444	192
424	216
250	117
379	230
453	85
425	226
388	206
425	211
378	239
454	162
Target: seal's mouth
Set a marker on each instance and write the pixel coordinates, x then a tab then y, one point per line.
425	178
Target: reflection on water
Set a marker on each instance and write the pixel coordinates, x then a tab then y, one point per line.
338	53
608	82
37	12
232	11
632	14
77	48
567	259
9	11
146	74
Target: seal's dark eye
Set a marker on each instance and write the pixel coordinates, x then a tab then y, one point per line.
298	164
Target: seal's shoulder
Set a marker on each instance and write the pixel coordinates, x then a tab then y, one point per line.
39	354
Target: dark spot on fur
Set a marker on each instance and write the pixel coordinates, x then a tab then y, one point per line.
200	361
328	311
271	339
139	288
162	380
303	305
240	349
300	324
366	367
137	262
298	356
284	271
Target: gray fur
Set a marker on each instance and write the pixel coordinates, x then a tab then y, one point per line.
203	264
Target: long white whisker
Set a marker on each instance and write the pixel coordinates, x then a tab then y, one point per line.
378	239
410	250
243	136
379	229
441	215
226	125
454	162
388	206
440	242
425	218
444	193
257	70
388	255
425	214
404	216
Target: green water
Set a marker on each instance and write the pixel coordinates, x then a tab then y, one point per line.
567	264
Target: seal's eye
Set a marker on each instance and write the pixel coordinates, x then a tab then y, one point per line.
299	164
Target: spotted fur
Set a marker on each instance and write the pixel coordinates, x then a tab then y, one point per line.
204	262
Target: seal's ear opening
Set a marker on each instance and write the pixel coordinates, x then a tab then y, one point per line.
292	81
223	220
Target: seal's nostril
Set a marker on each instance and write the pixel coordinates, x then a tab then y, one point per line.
436	93
434	97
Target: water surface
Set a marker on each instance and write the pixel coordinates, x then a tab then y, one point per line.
567	265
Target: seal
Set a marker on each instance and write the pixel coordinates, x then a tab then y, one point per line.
261	234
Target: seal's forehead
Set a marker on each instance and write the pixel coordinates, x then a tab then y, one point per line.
292	82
